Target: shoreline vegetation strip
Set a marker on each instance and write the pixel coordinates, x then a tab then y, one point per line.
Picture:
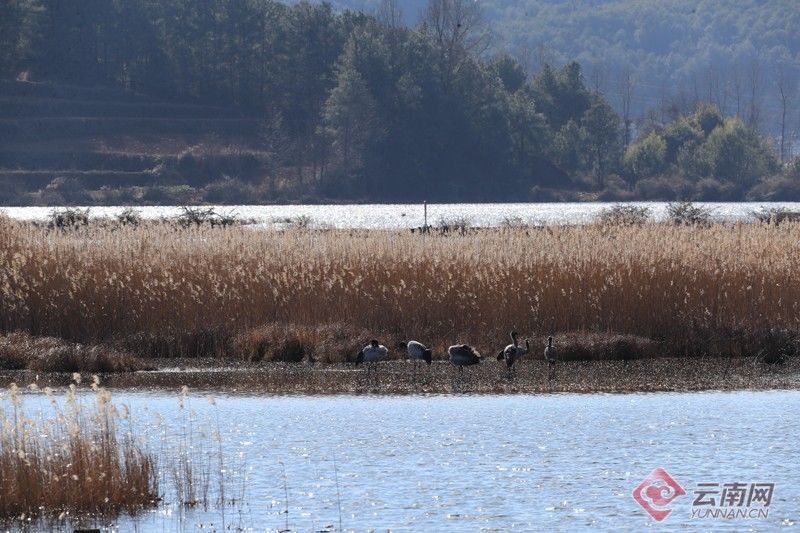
118	298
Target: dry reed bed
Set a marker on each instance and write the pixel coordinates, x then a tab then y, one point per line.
158	290
71	463
21	351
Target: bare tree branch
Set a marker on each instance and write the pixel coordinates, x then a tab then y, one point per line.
390	14
627	84
458	28
754	78
786	91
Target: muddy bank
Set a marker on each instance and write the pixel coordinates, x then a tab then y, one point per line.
399	377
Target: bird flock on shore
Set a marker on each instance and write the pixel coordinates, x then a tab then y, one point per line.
459	355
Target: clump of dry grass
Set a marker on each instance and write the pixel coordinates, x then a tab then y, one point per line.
169	342
271	342
587	346
72	462
48	354
15	351
293	343
158	290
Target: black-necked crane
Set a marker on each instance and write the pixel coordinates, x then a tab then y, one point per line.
462	355
416	352
372	354
513	352
550	352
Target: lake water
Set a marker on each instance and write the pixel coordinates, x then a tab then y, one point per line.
560	462
398	216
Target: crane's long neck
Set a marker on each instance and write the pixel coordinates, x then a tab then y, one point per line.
513	339
527	346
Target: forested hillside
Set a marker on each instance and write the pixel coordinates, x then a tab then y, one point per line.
656	54
308	102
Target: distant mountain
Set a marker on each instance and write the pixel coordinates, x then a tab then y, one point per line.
676	51
410	8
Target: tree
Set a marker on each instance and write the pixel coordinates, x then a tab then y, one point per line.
754	79
390	14
736	153
510	73
315	41
682	134
20	33
646	157
707	117
717	87
737	85
561	95
569	147
787	87
351	118
626	86
602	129
458	30
528	131
598	77
74	42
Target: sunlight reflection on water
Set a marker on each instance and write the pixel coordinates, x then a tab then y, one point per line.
397	216
466	463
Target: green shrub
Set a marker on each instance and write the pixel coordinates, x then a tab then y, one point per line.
646	157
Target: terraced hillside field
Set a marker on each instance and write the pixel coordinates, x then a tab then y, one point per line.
63	144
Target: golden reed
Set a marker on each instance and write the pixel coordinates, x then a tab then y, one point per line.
691	289
71	462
